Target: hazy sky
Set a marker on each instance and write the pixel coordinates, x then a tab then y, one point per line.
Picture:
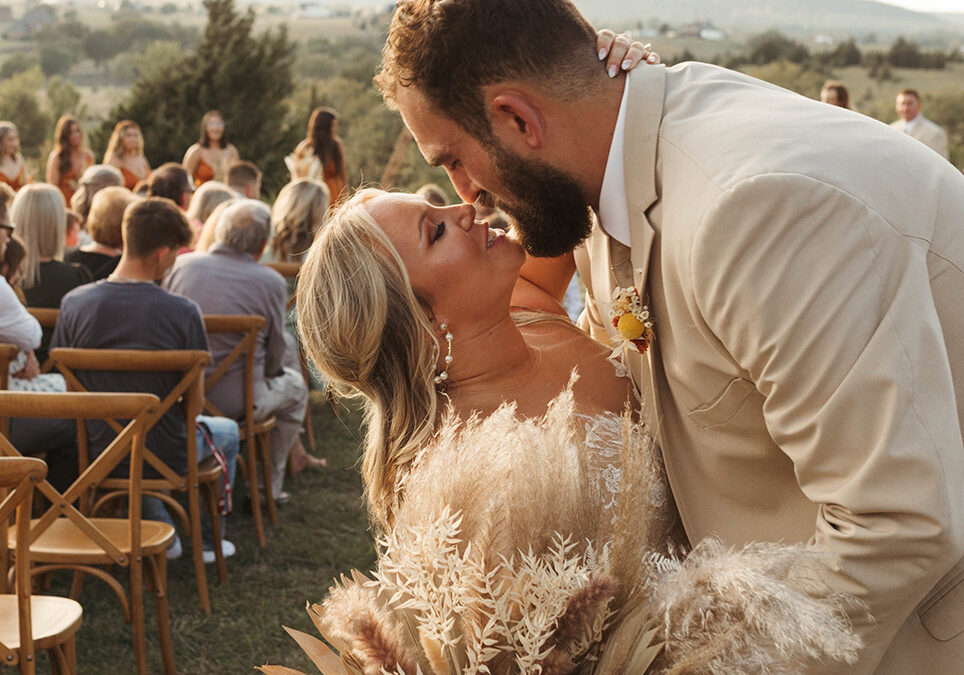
929	5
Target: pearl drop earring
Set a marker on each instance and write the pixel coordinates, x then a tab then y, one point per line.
444	375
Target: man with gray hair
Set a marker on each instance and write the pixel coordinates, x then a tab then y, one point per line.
227	279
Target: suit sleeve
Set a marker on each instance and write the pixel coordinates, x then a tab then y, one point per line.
828	308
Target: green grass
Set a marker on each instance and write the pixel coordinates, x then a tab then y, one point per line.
321	533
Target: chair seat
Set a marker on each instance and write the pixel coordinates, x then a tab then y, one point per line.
54	619
65	542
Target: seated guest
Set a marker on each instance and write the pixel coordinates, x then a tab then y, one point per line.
40	219
102	254
297	214
205	200
245	179
171	182
72	231
31	436
206	238
94	179
227	279
128	310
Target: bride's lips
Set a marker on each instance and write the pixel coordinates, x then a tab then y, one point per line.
493	235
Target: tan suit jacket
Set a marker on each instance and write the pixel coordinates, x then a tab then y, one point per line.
809	339
928	133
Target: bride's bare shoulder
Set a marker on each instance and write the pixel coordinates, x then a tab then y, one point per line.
564	346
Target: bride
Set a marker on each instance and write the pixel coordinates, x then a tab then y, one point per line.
523	516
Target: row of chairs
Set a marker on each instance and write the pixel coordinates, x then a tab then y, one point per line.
85	548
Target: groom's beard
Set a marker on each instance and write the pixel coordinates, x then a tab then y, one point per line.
546	204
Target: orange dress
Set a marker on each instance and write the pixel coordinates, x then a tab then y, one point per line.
68	184
203	173
130	178
12	182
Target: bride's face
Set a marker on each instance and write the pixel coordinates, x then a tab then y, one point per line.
455	262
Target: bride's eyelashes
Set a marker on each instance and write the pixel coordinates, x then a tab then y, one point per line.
439	231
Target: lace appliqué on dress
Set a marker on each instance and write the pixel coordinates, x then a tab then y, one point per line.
603	444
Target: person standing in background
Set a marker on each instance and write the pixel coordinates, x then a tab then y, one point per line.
125	152
913	123
69	158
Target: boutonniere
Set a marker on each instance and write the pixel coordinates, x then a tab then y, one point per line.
631	318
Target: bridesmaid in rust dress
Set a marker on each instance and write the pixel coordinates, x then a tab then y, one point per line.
212	155
69	158
125	152
320	155
13	170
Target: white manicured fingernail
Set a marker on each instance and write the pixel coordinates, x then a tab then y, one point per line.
652	58
626	64
602	53
612	71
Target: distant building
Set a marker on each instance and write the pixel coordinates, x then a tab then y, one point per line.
703	30
823	40
31	23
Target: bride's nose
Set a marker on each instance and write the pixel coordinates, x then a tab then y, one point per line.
466	216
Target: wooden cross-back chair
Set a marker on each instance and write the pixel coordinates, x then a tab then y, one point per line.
29	623
256	435
47	318
290	270
8	353
64	538
206	476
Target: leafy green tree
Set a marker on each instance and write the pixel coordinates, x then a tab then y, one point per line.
19	104
18	63
100	46
63	98
845	54
55	60
245	76
774	46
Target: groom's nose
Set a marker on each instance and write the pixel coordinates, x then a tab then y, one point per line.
463	185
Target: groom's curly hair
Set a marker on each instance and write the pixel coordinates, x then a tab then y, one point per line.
450	49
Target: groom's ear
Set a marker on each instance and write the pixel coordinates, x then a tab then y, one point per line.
517	120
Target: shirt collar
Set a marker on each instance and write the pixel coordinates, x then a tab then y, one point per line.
224	249
613	208
910	124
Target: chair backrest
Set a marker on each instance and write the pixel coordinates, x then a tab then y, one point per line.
22	474
189	364
289	270
247	327
45	316
138	408
8	353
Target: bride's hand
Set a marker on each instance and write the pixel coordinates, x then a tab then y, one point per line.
621	53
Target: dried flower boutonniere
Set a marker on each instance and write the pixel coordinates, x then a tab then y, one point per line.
631	318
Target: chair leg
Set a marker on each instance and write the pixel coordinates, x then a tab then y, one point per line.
158	570
59	660
251	462
137	615
196	550
28	663
210	496
264	449
70	651
309	430
76	585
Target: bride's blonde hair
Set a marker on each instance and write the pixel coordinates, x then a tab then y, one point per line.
369	334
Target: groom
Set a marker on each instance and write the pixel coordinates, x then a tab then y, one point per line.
802	265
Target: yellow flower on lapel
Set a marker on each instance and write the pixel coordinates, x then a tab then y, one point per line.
631	318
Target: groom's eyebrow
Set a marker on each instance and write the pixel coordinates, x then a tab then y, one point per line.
439	159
